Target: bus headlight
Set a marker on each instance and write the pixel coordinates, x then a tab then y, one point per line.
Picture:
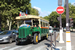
29	34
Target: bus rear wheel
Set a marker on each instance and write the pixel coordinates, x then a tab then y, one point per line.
35	38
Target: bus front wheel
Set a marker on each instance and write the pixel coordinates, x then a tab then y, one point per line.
35	38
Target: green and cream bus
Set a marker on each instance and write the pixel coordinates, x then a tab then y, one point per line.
37	28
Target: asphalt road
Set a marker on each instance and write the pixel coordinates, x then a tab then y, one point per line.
42	45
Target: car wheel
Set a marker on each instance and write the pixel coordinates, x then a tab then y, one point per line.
10	41
35	38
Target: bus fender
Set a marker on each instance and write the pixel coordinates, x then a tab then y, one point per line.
39	36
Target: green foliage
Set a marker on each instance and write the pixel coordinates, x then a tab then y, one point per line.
11	8
71	14
46	17
53	16
34	12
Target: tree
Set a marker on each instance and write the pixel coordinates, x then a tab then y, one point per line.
34	11
71	14
53	16
46	17
11	8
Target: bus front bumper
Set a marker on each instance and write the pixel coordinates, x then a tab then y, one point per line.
21	39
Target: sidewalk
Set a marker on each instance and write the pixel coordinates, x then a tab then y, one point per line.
62	46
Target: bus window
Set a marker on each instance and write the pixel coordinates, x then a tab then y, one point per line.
36	23
28	22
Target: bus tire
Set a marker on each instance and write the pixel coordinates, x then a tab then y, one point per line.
35	41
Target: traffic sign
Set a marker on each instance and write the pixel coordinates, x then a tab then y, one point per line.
60	10
59	2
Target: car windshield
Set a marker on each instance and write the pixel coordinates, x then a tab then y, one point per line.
5	32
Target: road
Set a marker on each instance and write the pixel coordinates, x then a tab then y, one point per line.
42	45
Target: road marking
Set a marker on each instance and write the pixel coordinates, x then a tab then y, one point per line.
15	47
58	48
4	48
71	47
26	48
39	48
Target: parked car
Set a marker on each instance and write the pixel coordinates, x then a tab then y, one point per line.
56	29
8	36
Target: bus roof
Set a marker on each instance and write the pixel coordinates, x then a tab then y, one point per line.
30	17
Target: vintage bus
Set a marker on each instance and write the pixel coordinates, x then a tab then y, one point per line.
37	28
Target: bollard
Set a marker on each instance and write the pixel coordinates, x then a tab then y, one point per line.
55	38
51	41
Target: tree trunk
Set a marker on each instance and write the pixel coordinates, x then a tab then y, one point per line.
7	22
10	22
17	24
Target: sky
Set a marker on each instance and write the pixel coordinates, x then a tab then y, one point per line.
45	7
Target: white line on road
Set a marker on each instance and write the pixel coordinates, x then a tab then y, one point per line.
4	48
60	48
15	47
39	48
26	48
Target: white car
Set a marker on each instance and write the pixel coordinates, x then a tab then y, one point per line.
51	30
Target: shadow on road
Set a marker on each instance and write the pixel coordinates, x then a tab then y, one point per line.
56	49
25	43
29	42
48	45
6	43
